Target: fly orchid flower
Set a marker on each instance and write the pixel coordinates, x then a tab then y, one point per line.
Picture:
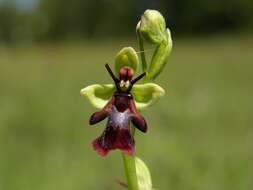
120	102
120	110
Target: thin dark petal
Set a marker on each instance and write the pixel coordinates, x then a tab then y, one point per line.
138	78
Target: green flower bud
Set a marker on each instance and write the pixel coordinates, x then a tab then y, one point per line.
126	57
146	94
152	27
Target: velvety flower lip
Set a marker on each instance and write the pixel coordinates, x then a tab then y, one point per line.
117	134
114	137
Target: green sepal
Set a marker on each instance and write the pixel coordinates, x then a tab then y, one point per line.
126	57
144	94
98	94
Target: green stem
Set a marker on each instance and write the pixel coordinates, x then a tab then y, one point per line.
142	52
130	171
130	168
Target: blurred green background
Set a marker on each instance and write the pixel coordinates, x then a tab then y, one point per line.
200	134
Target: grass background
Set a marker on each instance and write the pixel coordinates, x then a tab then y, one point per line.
200	134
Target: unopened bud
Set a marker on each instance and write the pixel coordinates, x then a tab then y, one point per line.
152	27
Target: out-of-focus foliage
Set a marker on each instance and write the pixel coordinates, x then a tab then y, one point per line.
200	134
61	19
86	18
198	16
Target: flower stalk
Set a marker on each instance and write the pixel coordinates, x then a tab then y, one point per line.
130	168
130	171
